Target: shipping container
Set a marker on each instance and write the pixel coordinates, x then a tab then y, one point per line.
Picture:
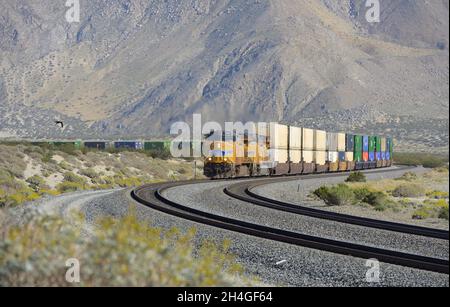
378	145
279	136
157	145
73	144
378	156
295	138
307	139
332	141
372	156
342	156
295	155
383	155
372	144
358	143
365	143
383	144
365	156
333	156
135	145
342	142
320	140
279	155
100	145
350	143
389	145
308	156
349	156
320	157
388	155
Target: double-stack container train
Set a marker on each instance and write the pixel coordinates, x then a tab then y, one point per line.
279	150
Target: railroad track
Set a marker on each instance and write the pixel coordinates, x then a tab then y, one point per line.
152	196
243	191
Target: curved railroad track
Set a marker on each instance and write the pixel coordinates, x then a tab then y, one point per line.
152	196
243	192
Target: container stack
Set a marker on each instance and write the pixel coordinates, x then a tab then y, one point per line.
308	151
279	146
372	151
378	152
332	151
358	152
383	150
295	150
341	152
365	154
350	151
320	151
389	148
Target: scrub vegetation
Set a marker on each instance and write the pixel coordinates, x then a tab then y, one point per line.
427	160
418	196
28	172
121	252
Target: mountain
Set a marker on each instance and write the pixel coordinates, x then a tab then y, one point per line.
132	68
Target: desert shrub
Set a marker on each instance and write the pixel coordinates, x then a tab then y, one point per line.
72	177
124	252
65	166
36	182
426	160
356	177
67	187
159	154
361	194
128	182
5	176
89	172
376	199
408	176
339	195
443	213
409	190
437	195
47	157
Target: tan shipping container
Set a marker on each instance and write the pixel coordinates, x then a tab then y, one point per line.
383	145
308	139
320	157
308	156
279	155
295	155
332	141
349	156
279	136
341	142
295	138
320	140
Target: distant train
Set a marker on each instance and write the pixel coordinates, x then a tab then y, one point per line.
106	145
287	150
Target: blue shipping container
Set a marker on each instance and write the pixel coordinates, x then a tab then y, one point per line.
349	142
378	156
371	156
383	156
365	143
136	145
388	155
342	156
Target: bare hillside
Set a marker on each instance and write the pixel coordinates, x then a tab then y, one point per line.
131	68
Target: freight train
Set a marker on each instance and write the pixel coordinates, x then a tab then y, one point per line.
278	150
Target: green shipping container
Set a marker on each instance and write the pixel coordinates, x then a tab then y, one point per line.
358	156
378	146
372	143
156	145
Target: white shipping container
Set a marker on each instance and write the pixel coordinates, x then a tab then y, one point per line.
308	139
279	155
383	144
320	157
279	136
295	138
295	155
341	142
308	156
333	156
349	156
332	141
320	140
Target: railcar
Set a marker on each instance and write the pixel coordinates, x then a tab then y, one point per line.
279	150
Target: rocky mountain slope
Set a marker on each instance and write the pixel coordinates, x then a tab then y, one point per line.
132	68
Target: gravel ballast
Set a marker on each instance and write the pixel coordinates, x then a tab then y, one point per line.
259	257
